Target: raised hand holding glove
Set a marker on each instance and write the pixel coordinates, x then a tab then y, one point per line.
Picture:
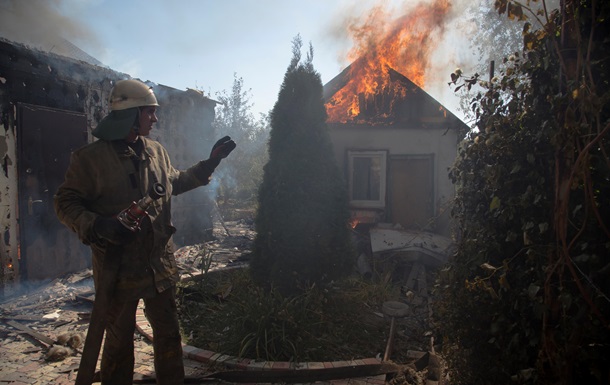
222	148
110	229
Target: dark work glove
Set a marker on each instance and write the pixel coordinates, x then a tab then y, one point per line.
222	148
113	231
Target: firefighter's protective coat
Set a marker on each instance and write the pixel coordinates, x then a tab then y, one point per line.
105	177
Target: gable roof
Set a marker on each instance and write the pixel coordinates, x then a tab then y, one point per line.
400	102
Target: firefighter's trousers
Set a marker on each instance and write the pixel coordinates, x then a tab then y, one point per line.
118	355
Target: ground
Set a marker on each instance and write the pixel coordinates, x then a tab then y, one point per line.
56	312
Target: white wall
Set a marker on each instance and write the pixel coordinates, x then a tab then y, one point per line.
406	141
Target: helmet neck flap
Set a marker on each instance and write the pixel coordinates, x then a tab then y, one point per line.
125	99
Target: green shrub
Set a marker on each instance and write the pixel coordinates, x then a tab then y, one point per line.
303	236
522	300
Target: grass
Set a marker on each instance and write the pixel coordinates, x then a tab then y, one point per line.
225	312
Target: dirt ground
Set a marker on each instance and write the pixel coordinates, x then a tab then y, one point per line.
42	326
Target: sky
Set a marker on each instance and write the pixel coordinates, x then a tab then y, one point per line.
204	44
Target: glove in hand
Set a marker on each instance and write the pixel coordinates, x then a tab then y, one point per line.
113	231
222	148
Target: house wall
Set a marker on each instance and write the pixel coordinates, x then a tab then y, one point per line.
48	80
35	78
399	141
8	195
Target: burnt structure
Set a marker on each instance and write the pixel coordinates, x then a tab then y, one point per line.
395	143
48	106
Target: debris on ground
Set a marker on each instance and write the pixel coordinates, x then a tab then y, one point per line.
42	328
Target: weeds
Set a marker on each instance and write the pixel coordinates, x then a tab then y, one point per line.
226	312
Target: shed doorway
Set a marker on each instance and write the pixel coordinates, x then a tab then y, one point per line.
45	139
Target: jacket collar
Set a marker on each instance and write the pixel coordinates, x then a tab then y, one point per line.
122	148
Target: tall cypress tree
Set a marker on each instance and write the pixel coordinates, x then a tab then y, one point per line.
302	220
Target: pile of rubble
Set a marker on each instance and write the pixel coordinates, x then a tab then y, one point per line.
43	330
42	325
46	325
231	247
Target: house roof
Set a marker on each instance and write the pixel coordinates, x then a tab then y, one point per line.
56	45
75	64
400	101
64	47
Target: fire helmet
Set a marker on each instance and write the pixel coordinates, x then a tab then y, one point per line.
125	98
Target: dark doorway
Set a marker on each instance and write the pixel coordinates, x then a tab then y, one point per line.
46	137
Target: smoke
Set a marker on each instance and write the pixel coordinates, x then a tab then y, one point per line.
352	13
433	39
40	24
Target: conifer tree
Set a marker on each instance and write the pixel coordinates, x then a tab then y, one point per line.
302	220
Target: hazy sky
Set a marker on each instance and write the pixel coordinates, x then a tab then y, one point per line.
203	43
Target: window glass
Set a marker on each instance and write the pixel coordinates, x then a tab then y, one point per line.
367	178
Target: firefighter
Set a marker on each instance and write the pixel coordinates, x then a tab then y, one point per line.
105	177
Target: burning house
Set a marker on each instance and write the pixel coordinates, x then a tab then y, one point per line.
395	144
395	141
48	106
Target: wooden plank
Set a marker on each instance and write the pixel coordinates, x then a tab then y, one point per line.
413	275
23	318
86	298
422	284
99	316
33	333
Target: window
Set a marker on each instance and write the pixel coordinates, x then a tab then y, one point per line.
367	178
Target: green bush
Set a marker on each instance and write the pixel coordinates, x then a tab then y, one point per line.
303	237
523	300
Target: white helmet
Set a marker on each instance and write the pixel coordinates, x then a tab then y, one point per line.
125	98
131	93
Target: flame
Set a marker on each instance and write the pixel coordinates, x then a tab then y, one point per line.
380	43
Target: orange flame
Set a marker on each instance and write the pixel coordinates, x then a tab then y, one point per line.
403	44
